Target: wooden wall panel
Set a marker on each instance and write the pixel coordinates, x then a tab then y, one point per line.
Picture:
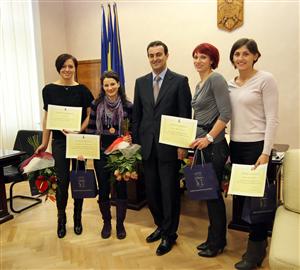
88	73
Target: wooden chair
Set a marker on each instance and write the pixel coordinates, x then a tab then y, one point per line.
12	173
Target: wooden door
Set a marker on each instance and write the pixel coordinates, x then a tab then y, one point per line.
88	73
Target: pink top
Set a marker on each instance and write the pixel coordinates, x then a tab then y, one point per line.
254	110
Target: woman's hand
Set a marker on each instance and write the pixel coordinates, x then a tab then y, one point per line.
65	132
81	158
200	143
128	139
41	148
263	159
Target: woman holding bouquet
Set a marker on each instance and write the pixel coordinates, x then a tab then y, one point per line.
254	99
212	110
110	114
65	92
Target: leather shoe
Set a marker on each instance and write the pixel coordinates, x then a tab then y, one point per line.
61	230
202	246
165	246
156	235
210	252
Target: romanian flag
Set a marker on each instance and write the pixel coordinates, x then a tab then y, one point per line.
111	52
117	61
104	43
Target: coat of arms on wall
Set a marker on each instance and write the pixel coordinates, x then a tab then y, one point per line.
230	14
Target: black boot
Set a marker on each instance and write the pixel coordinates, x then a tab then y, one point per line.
254	256
77	216
121	206
61	224
106	216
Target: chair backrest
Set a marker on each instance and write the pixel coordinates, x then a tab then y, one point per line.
291	180
22	144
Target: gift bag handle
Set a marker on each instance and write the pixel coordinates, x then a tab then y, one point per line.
195	157
85	165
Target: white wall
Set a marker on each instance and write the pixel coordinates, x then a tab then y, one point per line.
183	25
53	35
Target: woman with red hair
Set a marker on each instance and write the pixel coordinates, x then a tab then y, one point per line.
212	110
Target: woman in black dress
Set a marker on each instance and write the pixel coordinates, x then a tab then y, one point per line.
65	92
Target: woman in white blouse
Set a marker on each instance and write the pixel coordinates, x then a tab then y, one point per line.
254	101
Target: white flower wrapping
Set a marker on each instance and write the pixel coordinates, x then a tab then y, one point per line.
37	162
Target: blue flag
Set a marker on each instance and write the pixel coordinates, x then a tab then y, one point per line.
117	61
104	43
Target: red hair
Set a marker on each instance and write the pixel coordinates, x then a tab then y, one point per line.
211	51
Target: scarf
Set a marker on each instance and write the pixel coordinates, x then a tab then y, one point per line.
109	113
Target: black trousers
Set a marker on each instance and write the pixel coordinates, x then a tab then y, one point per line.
62	170
217	154
163	192
248	153
104	181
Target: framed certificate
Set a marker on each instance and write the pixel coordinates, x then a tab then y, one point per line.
64	117
248	182
177	131
84	145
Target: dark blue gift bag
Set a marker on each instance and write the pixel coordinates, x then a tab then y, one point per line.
261	209
201	180
83	184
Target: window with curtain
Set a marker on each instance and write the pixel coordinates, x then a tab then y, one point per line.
19	97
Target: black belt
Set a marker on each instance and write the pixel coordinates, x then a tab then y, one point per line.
209	126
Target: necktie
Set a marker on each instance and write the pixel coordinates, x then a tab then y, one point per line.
156	87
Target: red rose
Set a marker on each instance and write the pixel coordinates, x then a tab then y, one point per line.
52	179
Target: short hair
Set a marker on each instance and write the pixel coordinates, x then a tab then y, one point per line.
158	43
250	44
121	91
211	51
61	59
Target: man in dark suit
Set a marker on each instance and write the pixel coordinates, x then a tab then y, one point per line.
161	92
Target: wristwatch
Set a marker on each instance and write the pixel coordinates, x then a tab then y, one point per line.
210	138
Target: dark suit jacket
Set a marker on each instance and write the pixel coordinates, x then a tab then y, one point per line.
174	99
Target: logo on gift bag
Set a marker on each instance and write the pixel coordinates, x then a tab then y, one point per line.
81	182
199	179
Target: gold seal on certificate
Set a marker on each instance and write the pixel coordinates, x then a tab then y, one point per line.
64	117
245	181
84	145
177	131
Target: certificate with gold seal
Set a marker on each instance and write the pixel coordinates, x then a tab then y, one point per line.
248	182
84	145
177	131
64	117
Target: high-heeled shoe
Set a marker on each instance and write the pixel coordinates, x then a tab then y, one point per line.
211	252
61	224
202	246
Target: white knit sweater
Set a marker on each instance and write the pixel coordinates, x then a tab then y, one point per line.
254	110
